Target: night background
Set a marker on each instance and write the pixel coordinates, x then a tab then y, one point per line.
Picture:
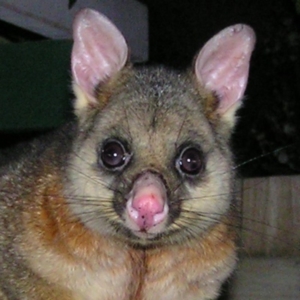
270	117
269	123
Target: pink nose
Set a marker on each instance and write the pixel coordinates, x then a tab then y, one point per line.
147	205
149	208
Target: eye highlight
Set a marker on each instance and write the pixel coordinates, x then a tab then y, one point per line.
190	161
113	154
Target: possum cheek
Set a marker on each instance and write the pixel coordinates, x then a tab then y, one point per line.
147	208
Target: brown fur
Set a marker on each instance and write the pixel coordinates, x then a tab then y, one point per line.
65	259
58	236
68	223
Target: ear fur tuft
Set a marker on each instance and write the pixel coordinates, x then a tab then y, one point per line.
99	53
222	66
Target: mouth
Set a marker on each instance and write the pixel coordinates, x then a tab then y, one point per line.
140	238
143	234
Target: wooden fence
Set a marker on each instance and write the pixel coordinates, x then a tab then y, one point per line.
271	216
269	266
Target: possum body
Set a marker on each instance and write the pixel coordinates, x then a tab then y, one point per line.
134	199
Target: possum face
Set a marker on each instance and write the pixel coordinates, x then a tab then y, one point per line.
151	164
153	167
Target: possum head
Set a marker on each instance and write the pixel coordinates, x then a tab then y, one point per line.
151	163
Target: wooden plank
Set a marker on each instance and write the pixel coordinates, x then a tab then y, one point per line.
271	216
265	279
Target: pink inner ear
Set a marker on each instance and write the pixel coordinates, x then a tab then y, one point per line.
222	65
99	50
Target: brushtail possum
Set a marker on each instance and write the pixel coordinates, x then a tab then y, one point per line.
134	199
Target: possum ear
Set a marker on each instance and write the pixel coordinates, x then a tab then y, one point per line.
222	66
99	52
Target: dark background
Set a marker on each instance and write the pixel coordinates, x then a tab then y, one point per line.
269	126
267	138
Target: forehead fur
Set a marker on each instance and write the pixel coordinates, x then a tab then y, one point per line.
163	88
156	100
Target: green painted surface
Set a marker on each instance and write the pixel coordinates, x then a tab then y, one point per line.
35	85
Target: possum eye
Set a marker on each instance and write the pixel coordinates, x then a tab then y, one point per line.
190	161
113	154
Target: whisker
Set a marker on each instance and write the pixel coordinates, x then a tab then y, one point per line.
125	109
264	155
207	218
179	131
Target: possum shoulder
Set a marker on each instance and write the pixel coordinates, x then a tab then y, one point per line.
22	163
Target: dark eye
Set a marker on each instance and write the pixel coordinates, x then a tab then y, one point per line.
190	161
113	154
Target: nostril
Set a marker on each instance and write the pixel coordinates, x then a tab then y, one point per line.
147	205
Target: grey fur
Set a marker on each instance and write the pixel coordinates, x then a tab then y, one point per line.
156	111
